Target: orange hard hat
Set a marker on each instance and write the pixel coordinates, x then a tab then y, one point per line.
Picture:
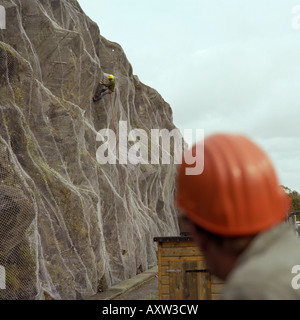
238	192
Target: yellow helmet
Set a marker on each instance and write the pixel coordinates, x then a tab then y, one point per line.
110	76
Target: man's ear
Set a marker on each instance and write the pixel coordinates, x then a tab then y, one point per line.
199	238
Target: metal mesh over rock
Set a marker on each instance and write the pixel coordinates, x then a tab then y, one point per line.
69	226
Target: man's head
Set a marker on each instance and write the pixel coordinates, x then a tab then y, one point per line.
236	197
110	77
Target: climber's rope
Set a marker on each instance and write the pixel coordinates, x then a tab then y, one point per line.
124	184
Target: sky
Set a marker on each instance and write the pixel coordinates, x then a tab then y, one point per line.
223	66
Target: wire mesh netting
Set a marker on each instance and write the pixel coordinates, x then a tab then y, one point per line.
70	227
16	217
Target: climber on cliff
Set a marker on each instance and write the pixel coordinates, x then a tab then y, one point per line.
109	88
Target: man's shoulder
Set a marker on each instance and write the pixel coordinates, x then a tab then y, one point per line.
267	276
246	280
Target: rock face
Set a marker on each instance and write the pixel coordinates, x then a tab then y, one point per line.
69	226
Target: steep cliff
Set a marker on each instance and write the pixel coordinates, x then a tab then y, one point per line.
68	225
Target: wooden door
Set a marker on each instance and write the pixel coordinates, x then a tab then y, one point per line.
189	280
